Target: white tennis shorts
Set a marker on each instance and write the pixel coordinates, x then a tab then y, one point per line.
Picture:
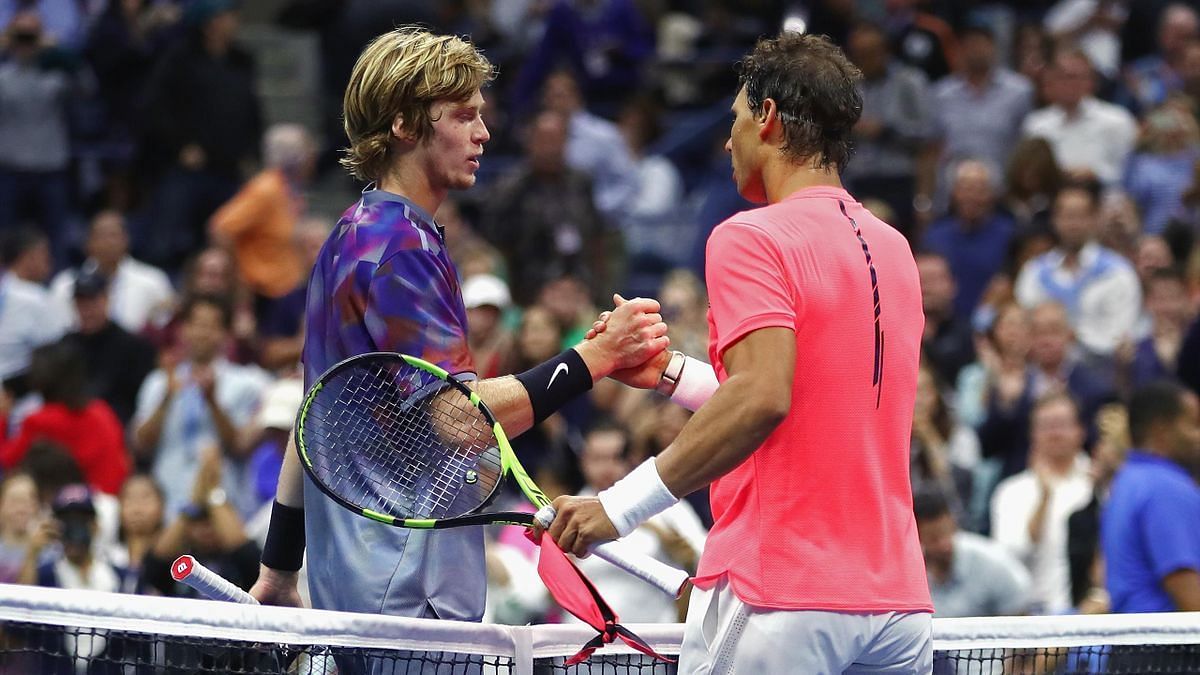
723	635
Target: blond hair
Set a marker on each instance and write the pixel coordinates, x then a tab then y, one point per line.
401	73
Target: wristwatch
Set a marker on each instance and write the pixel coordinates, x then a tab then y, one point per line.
670	377
217	497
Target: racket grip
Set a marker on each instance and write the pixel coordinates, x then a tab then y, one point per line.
669	580
207	582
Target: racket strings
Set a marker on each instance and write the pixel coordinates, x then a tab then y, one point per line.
400	441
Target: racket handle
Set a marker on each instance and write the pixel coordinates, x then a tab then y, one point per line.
207	582
669	580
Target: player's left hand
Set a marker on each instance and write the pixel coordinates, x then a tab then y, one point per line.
581	522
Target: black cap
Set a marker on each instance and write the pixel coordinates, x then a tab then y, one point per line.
76	498
90	282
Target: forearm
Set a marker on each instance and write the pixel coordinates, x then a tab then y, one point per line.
170	544
719	437
509	402
1184	588
148	433
226	431
1038	519
290	489
228	526
28	573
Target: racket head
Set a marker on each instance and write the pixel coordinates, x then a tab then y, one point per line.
401	441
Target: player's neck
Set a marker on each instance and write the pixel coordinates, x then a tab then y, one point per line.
782	178
413	184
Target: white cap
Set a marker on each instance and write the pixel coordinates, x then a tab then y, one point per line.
485	289
280	403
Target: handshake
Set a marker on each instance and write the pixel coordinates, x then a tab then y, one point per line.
628	343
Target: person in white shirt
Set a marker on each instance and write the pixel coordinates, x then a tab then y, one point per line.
1087	134
1030	510
675	536
29	316
138	293
1098	286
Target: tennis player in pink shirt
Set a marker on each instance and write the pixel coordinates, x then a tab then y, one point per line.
813	564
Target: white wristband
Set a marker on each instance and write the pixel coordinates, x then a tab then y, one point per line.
636	498
697	382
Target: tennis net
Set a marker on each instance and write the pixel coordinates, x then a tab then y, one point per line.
51	631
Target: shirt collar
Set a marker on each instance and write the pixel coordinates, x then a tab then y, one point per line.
1138	456
372	195
818	191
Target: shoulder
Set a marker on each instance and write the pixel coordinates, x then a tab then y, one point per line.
949	88
1015	489
1111	113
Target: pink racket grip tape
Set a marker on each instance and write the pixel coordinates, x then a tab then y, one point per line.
207	582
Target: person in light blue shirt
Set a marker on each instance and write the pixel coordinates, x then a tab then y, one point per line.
1148	528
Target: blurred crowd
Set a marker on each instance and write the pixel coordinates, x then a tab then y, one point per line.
1041	156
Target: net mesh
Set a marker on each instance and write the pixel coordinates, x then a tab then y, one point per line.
398	440
75	633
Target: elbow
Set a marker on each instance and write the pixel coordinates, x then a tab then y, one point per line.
770	410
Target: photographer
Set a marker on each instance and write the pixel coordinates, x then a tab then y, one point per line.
78	567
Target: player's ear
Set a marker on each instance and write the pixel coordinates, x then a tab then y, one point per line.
400	131
768	121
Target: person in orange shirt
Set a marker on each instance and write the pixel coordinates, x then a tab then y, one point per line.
259	222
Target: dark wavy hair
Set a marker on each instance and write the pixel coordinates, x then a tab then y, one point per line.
815	89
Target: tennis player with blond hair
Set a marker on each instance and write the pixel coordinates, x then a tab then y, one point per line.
813	564
384	282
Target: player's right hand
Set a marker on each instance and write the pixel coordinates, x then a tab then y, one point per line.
634	332
276	587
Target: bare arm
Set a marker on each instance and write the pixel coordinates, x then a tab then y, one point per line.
745	409
148	433
1184	588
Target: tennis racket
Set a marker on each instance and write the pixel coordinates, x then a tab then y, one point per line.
400	441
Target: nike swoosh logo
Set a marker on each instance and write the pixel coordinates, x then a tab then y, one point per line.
562	368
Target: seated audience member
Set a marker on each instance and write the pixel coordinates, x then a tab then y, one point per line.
969	575
947	341
491	342
1030	510
944	452
1148	527
1156	356
86	427
19	507
267	437
139	294
80	566
29	316
116	360
676	536
281	321
207	527
141	523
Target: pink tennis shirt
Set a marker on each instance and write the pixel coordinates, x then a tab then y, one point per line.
820	516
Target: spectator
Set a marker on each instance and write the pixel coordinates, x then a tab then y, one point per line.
969	575
565	296
52	468
1156	356
208	528
675	536
594	146
87	428
1189	357
1030	510
921	39
211	272
1152	79
1059	365
1148	527
1094	26
201	401
139	295
29	316
122	46
1088	135
975	238
141	516
259	223
978	110
80	566
895	124
947	339
18	512
656	237
1033	179
490	341
685	309
604	42
37	82
281	328
202	126
944	452
115	361
1098	287
1159	174
1083	527
542	216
